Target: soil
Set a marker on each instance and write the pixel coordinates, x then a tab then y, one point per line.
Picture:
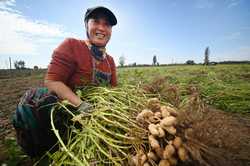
11	91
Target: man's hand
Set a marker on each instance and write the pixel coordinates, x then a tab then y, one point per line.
85	107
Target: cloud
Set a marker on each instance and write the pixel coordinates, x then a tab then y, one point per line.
7	5
239	54
202	4
233	3
245	28
244	52
233	36
8	2
20	35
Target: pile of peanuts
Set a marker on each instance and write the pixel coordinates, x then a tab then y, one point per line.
165	148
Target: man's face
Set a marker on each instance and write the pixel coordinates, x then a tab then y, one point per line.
99	31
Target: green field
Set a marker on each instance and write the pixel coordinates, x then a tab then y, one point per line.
226	87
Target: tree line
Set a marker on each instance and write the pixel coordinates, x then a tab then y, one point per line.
20	64
188	62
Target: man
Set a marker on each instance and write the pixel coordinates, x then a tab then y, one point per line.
74	63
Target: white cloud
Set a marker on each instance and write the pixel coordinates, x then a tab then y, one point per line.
245	28
20	35
233	3
201	4
243	53
7	5
239	54
233	36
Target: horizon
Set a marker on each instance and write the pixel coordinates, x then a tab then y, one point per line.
173	30
151	65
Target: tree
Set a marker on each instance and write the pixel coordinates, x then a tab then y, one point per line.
206	59
154	60
35	67
190	62
19	64
122	61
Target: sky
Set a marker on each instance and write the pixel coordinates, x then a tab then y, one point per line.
173	30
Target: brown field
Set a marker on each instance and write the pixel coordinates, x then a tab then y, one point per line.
12	88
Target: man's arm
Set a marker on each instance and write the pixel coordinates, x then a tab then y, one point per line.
63	91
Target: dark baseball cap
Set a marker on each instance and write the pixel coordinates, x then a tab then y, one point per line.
91	12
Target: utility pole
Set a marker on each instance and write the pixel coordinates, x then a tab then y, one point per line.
10	65
10	62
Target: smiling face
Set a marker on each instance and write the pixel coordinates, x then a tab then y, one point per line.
99	31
